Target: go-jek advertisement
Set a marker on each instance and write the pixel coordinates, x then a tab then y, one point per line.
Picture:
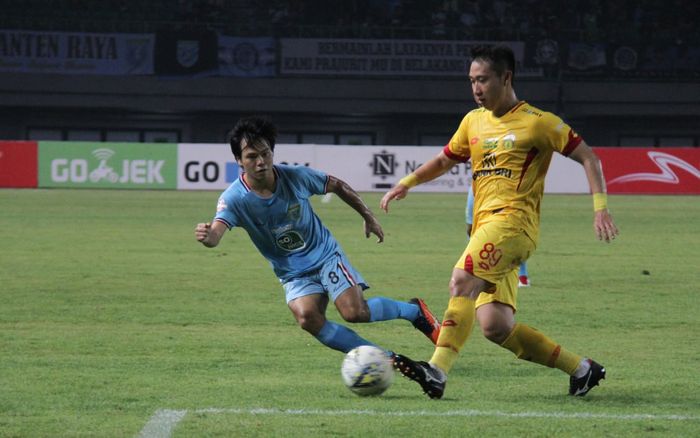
108	165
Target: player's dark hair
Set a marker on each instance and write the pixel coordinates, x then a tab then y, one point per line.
501	58
252	129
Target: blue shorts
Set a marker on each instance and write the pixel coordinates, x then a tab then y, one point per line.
336	275
469	210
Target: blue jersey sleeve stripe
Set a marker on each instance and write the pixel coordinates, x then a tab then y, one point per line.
223	221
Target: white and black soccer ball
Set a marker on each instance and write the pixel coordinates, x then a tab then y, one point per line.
367	370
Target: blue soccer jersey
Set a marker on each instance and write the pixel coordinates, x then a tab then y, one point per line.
283	227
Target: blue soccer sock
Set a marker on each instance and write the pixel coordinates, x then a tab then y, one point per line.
523	269
386	309
339	337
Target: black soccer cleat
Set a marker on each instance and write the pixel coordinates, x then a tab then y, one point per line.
580	386
426	322
431	379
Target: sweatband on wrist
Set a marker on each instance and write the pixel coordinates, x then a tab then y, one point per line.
600	201
410	180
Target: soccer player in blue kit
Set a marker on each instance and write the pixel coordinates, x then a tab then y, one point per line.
271	202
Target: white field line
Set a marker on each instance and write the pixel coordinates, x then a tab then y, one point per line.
164	421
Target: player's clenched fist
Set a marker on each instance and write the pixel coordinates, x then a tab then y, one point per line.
201	231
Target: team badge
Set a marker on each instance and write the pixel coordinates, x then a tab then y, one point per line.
221	205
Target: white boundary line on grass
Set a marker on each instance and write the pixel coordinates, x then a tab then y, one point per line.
164	421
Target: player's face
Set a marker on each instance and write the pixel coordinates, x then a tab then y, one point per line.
488	88
256	159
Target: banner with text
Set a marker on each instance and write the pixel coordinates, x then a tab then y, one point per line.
378	168
212	166
385	57
189	166
365	168
76	53
108	165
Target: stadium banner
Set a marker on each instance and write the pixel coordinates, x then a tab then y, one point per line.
316	56
366	168
247	57
565	176
107	165
378	168
213	167
18	164
182	53
587	58
76	53
630	170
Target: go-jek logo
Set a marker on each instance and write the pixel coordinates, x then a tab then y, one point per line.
78	170
210	171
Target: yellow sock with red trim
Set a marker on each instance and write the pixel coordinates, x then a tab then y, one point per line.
455	330
529	344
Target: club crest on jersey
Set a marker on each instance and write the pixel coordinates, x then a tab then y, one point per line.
221	205
509	141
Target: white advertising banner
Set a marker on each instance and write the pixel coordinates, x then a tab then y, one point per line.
205	166
565	176
365	168
378	168
213	167
316	56
76	53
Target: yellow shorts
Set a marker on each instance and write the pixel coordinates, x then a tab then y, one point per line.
494	252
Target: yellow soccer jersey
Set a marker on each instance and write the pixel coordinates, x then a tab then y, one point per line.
510	157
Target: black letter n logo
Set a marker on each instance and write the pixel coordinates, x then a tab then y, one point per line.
383	164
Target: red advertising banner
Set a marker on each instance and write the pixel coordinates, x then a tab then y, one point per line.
674	171
18	164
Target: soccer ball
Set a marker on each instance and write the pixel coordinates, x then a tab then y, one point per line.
367	370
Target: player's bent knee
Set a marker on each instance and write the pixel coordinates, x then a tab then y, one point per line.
495	327
355	314
494	333
466	285
311	322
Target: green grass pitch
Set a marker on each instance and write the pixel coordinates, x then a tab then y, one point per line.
115	322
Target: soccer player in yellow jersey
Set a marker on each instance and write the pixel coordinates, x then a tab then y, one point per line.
510	144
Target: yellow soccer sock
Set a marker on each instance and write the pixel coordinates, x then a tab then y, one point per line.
529	344
454	332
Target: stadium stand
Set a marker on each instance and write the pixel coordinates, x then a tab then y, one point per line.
611	67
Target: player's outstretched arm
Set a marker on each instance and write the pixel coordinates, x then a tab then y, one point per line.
427	171
209	234
350	197
603	223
